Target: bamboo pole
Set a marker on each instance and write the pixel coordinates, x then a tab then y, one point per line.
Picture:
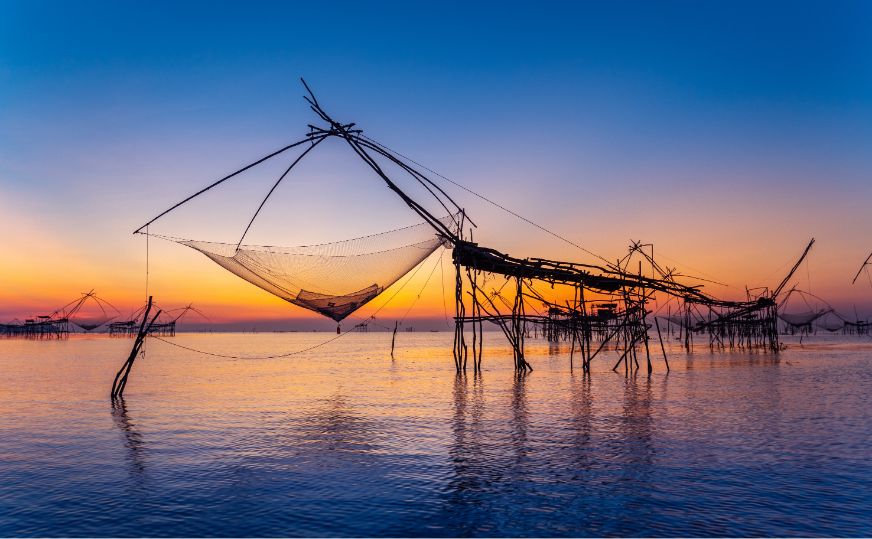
120	381
662	348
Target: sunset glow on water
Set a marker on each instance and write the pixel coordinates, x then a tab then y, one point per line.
299	219
344	441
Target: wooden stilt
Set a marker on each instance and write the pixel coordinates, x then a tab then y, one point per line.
662	348
394	337
123	373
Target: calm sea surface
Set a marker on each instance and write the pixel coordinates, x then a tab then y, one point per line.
345	441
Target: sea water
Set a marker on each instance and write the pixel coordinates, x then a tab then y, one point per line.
344	440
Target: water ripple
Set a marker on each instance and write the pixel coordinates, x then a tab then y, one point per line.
350	443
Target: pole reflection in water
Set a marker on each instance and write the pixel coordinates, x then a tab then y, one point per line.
133	441
336	428
473	470
636	433
581	430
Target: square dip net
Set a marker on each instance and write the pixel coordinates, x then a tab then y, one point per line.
333	279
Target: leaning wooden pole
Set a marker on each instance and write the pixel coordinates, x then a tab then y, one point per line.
662	348
394	337
121	376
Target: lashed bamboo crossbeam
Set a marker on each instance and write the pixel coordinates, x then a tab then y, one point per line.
606	281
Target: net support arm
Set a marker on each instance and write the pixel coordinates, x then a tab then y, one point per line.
282	177
859	271
224	179
793	269
343	131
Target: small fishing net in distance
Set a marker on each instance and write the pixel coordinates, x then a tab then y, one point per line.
333	279
802	319
88	312
832	322
678	320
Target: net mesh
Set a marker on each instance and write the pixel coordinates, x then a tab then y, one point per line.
88	312
680	320
831	322
802	319
333	279
89	324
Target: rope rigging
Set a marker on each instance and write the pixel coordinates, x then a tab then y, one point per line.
77	312
333	279
336	279
334	285
318	345
489	201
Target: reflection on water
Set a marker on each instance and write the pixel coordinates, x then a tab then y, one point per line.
471	472
132	440
353	443
335	427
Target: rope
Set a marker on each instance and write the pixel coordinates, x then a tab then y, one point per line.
224	179
268	248
412	276
699	271
442	280
275	185
489	201
276	356
432	271
296	352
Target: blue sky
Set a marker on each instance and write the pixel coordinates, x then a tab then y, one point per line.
728	132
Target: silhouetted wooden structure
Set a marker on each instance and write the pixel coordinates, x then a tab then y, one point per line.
60	322
164	327
40	327
120	382
608	305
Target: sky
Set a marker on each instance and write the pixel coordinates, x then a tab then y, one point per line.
726	133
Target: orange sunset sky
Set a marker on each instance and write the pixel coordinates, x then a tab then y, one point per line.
728	155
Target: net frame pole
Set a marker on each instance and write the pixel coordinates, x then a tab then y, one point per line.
224	179
276	184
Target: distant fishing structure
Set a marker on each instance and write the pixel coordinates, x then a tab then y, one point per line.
78	313
594	307
87	312
164	327
801	322
121	377
819	315
40	327
864	267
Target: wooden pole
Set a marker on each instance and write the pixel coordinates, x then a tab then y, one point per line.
662	348
121	376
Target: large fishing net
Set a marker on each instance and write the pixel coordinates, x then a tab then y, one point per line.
333	279
678	320
802	319
832	322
